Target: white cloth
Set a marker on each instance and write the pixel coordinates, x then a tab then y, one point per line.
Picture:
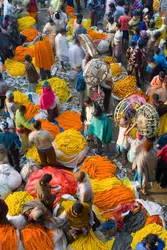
76	55
49	27
60	23
8	8
122	140
89	114
62	50
84	191
152	208
118	37
11	109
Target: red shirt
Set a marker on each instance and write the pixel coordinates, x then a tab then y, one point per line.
124	20
163	154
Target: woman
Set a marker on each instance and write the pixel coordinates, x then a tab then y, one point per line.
101	129
49	102
143	37
32	8
145	165
130	58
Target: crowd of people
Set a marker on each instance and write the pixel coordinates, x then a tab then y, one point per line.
136	42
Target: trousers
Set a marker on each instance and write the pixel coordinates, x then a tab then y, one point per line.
48	158
13	158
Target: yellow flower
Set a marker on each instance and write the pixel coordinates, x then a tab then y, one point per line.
15	68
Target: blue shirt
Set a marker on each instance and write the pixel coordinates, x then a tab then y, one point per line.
161	60
80	82
141	245
9	140
143	26
135	38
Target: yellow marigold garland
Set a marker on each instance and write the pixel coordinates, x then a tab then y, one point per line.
33	154
115	69
20	98
26	23
149	229
70	142
105	184
15	68
16	200
109	59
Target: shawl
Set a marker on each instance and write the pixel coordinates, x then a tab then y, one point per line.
101	128
47	98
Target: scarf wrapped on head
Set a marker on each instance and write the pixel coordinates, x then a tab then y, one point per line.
47	98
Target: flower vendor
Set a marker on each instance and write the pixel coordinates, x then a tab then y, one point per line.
100	127
12	144
80	29
43	191
23	127
158	86
80	84
76	54
49	102
10	106
61	44
60	19
145	165
50	26
31	73
43	141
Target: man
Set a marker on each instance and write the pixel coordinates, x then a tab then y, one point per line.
8	8
116	12
50	26
79	218
23	127
62	47
60	19
134	23
5	47
12	144
43	191
159	80
43	141
80	29
76	54
118	43
31	74
159	105
124	20
80	85
10	106
160	59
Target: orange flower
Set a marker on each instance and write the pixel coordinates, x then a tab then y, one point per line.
50	127
153	219
30	34
69	120
21	52
94	35
31	110
8	238
98	167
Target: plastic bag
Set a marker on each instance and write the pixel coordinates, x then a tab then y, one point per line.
12	177
59	177
4	191
29	167
18	221
74	160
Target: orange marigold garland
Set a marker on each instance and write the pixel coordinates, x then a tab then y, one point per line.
36	237
50	127
98	167
94	35
69	120
44	57
8	238
21	52
31	110
153	219
30	34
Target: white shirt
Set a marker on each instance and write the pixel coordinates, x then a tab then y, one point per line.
76	55
89	114
8	8
84	191
122	140
49	27
61	47
60	23
118	37
42	139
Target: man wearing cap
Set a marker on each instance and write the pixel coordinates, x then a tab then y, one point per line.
12	144
10	106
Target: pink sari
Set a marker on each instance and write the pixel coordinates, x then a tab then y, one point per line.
47	98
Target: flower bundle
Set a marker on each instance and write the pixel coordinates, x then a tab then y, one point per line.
20	98
94	35
26	23
8	237
30	34
104	184
98	167
33	154
50	127
109	59
31	110
70	12
115	69
15	68
21	52
69	120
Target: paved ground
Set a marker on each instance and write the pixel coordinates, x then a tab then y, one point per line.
155	193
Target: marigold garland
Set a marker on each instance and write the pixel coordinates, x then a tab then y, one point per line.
99	167
34	236
104	185
153	219
91	242
70	142
70	12
142	94
149	229
44	57
69	120
31	110
33	154
50	127
20	98
16	200
109	199
59	87
8	238
30	34
21	52
26	23
94	35
109	59
15	68
128	84
115	69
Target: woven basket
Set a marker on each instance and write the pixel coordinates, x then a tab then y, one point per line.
88	45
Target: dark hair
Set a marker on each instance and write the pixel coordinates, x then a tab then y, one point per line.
133	43
112	5
150	59
118	25
80	175
151	24
51	20
126	11
77	208
157	51
7	17
46	178
1	77
140	44
111	19
162	74
79	20
151	240
79	15
97	112
157	35
155	97
88	100
28	57
37	125
57	15
62	31
137	30
22	108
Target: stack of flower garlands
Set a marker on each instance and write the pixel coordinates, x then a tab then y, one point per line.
158	24
59	87
44	57
86	23
128	84
95	35
115	69
69	120
30	34
21	52
15	68
109	191
109	59
26	23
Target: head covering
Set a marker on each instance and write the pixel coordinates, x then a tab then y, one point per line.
47	98
4	125
9	94
143	33
135	13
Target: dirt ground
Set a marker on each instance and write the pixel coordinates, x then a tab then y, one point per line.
156	194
